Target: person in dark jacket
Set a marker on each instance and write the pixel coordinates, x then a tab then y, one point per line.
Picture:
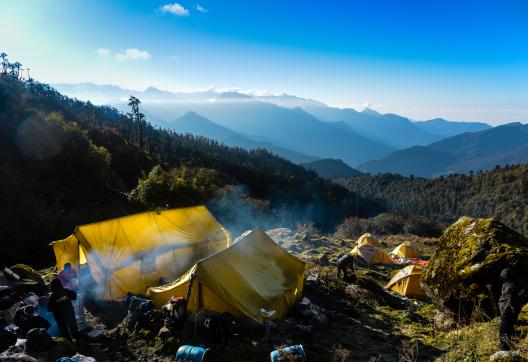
60	304
509	306
345	264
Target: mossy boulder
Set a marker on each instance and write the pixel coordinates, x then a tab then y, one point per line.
462	278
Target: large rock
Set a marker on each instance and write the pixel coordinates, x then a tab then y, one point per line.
463	275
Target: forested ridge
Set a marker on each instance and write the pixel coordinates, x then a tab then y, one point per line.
65	162
501	193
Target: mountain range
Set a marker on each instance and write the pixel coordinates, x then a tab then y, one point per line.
474	151
298	129
291	128
191	122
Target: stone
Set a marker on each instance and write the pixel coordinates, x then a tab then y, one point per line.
312	312
61	348
462	277
17	357
38	340
77	358
444	321
510	356
7	339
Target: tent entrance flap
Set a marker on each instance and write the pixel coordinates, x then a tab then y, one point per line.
68	250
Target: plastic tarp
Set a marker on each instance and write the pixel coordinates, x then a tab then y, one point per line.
367	239
407	282
68	251
133	253
406	250
253	277
371	254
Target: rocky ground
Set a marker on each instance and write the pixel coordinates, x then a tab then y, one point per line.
340	322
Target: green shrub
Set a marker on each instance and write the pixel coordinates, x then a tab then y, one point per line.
394	222
177	187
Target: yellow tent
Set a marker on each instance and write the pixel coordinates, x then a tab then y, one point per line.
253	277
132	253
406	250
367	239
371	254
407	282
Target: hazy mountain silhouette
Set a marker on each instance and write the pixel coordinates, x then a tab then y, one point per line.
506	144
304	126
441	127
389	129
193	123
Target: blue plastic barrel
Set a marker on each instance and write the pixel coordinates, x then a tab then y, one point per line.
296	350
191	354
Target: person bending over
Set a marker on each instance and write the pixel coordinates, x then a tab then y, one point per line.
344	265
60	304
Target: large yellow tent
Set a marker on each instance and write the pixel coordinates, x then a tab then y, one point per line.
253	277
367	239
407	282
406	250
133	253
371	254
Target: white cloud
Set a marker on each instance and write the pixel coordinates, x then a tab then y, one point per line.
200	8
103	52
175	9
133	54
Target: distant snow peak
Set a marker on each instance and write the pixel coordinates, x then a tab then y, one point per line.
370	111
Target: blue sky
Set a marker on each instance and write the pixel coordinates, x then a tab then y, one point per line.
463	60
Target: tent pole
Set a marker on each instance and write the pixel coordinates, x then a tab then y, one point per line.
189	289
78	265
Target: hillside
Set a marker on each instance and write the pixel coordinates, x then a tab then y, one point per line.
501	193
65	162
331	168
417	160
482	150
197	125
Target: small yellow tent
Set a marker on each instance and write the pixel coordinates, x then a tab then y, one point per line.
367	239
132	253
253	277
406	250
371	254
407	282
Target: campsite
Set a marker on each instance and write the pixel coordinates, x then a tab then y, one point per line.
270	289
263	181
